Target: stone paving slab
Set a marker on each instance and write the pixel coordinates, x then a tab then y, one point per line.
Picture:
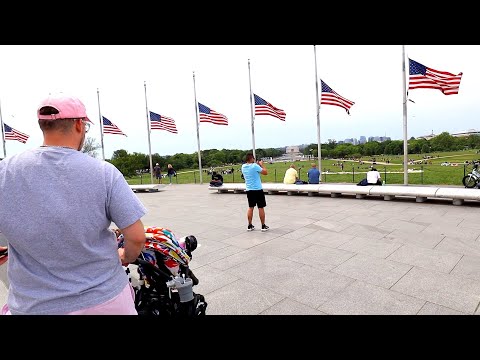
373	270
362	298
437	260
452	291
323	255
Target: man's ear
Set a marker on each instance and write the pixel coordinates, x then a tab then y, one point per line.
78	126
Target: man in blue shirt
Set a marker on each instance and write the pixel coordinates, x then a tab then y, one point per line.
313	175
251	171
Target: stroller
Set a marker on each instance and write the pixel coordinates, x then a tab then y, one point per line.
161	277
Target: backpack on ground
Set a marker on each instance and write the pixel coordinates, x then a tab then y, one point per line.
363	182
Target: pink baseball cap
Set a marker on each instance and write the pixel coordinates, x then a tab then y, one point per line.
68	107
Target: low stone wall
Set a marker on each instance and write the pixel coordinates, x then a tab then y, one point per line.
388	192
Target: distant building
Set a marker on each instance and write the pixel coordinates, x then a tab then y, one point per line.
292	150
466	133
363	139
292	153
427	137
459	134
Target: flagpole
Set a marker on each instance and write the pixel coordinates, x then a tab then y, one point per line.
251	110
319	143
101	123
148	132
405	139
198	130
3	133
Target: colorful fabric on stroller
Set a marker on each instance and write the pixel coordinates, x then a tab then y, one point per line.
161	276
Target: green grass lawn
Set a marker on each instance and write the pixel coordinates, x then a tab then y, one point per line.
429	173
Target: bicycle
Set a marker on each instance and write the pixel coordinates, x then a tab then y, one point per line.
472	179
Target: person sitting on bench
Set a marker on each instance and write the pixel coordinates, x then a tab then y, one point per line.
217	179
373	177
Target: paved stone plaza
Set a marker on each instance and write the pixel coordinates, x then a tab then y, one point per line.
324	255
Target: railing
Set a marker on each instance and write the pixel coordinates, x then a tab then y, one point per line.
423	174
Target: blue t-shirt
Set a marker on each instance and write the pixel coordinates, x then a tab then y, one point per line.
56	209
313	176
251	173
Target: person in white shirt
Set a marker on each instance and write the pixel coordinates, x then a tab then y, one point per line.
373	177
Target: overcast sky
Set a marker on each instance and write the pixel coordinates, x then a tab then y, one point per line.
284	75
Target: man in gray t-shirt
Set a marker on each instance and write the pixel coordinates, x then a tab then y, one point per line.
56	208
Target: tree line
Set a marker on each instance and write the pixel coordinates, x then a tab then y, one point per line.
441	142
130	163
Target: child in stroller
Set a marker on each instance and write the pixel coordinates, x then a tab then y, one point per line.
161	276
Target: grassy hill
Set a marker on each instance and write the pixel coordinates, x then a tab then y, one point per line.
423	169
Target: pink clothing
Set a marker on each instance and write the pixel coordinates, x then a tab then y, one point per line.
122	304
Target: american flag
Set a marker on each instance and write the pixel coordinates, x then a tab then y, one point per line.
263	107
12	134
160	122
330	97
211	116
422	77
110	128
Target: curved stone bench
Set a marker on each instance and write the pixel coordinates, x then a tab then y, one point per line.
421	193
147	187
389	192
458	194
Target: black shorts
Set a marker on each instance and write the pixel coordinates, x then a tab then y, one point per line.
256	198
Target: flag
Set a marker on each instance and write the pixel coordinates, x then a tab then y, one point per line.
12	134
159	122
211	116
263	107
110	128
422	77
330	97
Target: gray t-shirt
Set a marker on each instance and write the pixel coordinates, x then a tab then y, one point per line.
56	209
